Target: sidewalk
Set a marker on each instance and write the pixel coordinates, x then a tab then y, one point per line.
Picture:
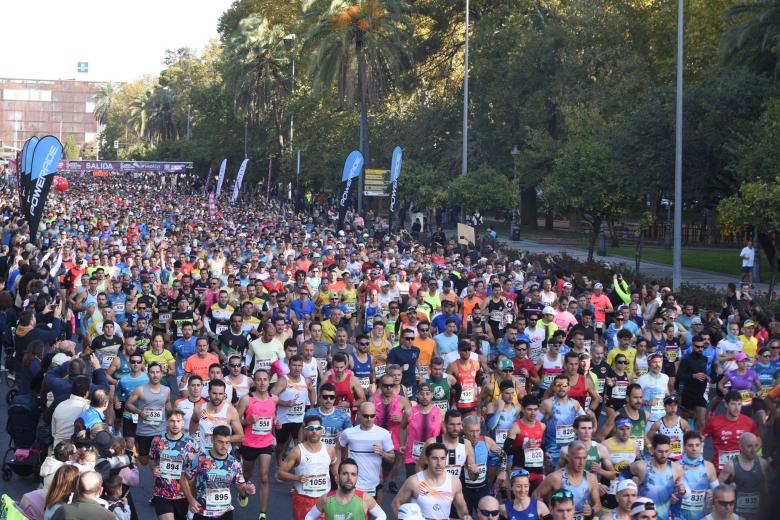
649	269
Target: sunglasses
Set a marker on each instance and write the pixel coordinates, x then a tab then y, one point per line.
409	338
489	512
363	343
727	503
561	495
519	472
386	386
426	329
507	370
136	362
369	416
621	362
328	397
234	366
313	428
562	385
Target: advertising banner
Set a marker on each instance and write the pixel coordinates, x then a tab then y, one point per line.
46	155
352	167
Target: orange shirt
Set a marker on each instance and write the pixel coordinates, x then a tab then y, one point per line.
200	366
426	347
468	306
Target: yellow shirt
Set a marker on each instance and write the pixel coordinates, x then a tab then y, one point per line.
749	347
329	331
165	358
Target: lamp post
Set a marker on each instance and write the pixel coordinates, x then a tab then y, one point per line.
677	252
289	43
515	153
464	167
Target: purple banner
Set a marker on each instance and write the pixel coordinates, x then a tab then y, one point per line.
125	166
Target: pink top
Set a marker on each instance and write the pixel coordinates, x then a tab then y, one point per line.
384	414
420	428
261	433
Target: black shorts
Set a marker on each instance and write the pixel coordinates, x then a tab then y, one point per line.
226	516
692	401
128	427
163	506
746	269
473	496
143	444
758	405
717	388
615	404
286	432
250	454
670	369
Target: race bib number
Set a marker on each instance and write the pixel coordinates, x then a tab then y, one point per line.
153	415
170	465
164	318
564	434
672	352
134	417
599	324
535	353
534	457
481	474
748	502
264	364
365	382
409	392
747	398
219	329
119	307
323	364
547	380
676	447
218	499
657	407
296	410
108	358
442	405
726	456
454	470
613	486
501	436
600	386
765	391
329	440
640	443
693	500
316	485
380	370
520	380
466	396
619	390
417	448
423	371
262	426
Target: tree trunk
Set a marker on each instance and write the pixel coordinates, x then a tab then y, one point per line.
528	207
709	226
613	238
362	85
549	220
638	254
595	229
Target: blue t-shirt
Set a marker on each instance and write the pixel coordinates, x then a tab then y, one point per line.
182	350
401	356
445	345
336	422
439	320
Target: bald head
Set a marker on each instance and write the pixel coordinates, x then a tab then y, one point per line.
577	445
747	438
487	503
90	484
749	445
367	407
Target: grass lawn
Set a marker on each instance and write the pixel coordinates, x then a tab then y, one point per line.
716	260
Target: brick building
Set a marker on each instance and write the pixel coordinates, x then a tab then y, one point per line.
61	108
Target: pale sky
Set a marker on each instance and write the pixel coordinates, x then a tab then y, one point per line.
121	40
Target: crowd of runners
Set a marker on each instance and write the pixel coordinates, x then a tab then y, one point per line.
219	347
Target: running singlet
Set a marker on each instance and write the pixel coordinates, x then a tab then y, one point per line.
419	429
675	433
638	428
529	513
505	421
696	482
352	509
530	440
316	465
480	460
343	390
580	491
209	421
441	393
362	370
467	378
658	486
560	427
435	501
260	433
384	414
622	457
456	458
297	391
579	391
550	369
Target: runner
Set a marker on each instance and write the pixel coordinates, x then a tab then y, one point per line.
655	387
623	452
576	480
559	413
369	445
725	430
217	411
724	500
349	390
127	384
257	412
434	489
694	377
211	476
169	456
699	479
460	453
334	420
598	460
626	494
659	478
360	362
194	398
520	505
474	488
390	410
465	371
420	423
671	425
264	350
294	394
346	501
524	442
312	462
152	403
750	474
442	384
232	340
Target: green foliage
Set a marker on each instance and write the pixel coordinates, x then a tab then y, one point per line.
483	189
70	150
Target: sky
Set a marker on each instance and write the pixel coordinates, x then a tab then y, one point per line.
121	40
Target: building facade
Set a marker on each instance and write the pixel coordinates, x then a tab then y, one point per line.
62	108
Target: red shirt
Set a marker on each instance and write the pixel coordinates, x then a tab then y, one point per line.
725	435
528	365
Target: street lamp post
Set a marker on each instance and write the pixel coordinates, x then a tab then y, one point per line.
464	168
515	153
677	252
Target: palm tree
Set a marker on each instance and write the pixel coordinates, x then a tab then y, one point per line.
104	98
160	108
255	73
373	36
754	39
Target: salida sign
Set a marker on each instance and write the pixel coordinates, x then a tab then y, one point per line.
126	166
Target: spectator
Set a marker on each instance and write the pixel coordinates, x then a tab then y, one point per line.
63	486
62	453
27	332
86	505
67	411
28	374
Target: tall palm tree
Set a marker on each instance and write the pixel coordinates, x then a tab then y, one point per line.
754	40
105	97
255	73
138	114
160	108
372	36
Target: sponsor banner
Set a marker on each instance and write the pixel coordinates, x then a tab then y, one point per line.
239	179
221	179
207	185
46	155
26	164
126	166
352	167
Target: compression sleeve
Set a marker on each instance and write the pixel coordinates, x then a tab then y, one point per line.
313	513
376	512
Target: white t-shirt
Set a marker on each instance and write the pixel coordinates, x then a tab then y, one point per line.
750	253
361	448
654	389
727	347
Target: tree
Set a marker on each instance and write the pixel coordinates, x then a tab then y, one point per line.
754	40
70	150
756	207
484	189
105	97
372	37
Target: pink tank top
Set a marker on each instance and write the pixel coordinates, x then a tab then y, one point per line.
261	433
384	414
420	428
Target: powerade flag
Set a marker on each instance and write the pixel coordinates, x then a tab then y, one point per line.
239	178
26	168
46	155
352	168
221	177
395	172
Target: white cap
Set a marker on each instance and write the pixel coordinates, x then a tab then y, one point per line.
410	511
626	484
548	310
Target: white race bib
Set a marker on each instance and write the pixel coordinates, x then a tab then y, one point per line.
481	474
725	457
564	434
323	364
693	500
619	390
613	486
153	415
466	396
534	457
219	329
417	448
316	485
108	358
365	382
164	317
218	499
547	380
380	370
442	405
170	464
262	426
328	440
501	436
454	470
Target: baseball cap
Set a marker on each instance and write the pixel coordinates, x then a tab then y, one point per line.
410	511
506	364
740	356
567	285
598	285
640	505
671	399
696	320
748	323
548	310
59	359
626	484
